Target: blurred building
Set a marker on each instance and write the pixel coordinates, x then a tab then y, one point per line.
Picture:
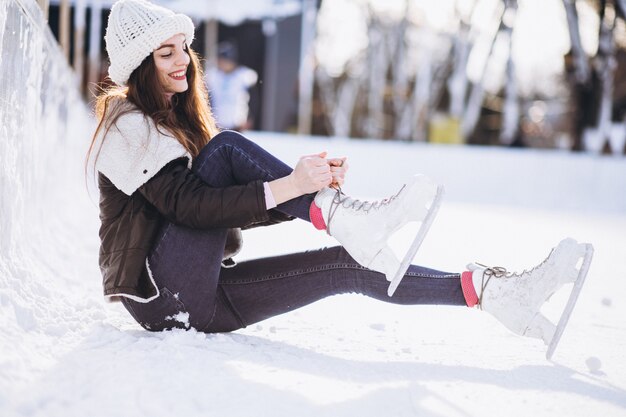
268	34
413	71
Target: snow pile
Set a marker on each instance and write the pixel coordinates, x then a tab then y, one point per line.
40	118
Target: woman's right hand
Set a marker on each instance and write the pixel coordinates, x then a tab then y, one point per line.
312	173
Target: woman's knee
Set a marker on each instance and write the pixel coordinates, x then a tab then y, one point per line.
218	153
225	137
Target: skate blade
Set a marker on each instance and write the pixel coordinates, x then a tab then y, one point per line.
571	302
419	237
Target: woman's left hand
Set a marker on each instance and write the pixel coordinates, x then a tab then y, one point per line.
338	169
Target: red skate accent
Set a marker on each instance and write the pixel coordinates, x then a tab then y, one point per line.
315	213
469	292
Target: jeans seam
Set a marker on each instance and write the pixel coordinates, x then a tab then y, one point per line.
421	275
230	306
293	273
325	268
205	328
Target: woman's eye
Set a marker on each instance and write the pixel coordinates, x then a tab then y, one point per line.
166	55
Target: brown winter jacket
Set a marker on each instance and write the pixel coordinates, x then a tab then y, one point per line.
130	223
145	179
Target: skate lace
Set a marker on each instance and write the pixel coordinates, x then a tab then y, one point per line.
501	272
342	200
490	272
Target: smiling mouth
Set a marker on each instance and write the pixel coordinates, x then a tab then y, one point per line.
178	75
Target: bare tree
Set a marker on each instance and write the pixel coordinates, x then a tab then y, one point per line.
581	63
477	95
605	66
511	112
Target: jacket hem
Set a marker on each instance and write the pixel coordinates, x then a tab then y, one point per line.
112	297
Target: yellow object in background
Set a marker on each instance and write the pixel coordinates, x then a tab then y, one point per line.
445	129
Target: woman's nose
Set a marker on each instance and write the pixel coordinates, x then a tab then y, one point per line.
182	58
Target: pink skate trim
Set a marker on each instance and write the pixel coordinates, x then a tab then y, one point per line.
315	213
469	292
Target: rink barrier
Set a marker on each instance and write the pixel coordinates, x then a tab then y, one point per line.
39	99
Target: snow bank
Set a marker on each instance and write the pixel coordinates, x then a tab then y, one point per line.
40	115
39	110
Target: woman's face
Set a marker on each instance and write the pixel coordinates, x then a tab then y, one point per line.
171	60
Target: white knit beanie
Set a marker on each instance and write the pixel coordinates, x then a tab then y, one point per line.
135	29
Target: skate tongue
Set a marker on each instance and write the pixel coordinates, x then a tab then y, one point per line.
475	267
324	194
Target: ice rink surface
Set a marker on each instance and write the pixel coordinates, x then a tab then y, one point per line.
65	352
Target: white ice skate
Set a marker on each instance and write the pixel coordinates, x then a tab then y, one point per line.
516	299
363	228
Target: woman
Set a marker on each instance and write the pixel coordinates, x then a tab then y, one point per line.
175	191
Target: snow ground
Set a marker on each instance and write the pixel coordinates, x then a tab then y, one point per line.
65	352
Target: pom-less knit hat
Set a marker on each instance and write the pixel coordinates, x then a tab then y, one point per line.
135	29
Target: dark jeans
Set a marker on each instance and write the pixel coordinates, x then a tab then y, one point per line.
195	291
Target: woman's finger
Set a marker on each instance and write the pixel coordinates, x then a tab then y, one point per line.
321	155
337	162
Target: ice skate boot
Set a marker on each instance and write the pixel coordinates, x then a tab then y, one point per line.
363	228
516	299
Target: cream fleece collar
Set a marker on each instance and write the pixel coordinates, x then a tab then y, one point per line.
134	150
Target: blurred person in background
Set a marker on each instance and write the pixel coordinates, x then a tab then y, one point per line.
229	86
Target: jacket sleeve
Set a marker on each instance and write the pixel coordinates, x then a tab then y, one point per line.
275	217
183	198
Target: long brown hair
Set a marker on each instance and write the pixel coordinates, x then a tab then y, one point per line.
187	116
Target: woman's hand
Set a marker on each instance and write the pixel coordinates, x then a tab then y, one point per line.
312	173
338	169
